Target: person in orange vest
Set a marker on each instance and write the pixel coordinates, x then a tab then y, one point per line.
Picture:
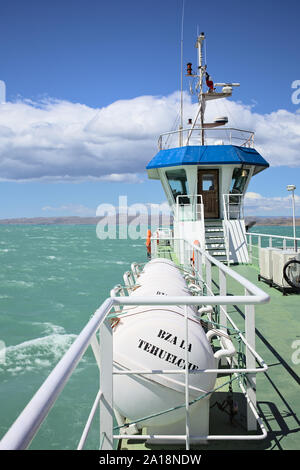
148	244
197	243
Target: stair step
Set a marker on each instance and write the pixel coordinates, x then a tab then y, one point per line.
213	224
213	221
216	248
213	230
217	236
214	236
214	242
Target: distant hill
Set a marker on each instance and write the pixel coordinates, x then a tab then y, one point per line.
279	220
122	219
74	220
51	221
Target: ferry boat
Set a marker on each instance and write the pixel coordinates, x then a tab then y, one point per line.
196	347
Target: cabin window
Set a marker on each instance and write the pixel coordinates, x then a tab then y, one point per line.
178	183
208	183
239	179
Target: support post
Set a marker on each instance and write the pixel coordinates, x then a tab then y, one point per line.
250	249
223	308
106	385
250	363
187	408
208	275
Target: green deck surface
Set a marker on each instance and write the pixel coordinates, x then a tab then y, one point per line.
278	391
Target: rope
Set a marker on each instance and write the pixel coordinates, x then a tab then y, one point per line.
151	309
154	415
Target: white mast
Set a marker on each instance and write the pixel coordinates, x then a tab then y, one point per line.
203	96
201	68
181	79
201	99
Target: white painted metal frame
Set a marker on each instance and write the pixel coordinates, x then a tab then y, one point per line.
196	208
20	435
270	237
233	210
229	135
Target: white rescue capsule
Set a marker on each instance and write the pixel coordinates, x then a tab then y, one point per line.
153	338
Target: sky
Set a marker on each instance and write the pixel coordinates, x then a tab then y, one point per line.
91	84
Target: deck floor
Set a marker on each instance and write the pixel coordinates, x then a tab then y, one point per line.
278	392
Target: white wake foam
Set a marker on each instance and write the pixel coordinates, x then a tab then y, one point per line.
38	353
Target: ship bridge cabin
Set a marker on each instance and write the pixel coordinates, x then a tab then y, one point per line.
205	186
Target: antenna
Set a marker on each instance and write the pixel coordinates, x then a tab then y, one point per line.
201	68
181	78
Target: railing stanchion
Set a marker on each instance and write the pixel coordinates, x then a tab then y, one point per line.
223	291
198	264
250	249
250	363
187	408
106	383
208	274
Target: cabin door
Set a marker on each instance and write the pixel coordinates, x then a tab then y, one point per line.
208	187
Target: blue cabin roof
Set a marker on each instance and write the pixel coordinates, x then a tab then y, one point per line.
208	154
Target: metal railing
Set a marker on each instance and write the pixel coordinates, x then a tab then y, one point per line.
213	136
233	209
268	240
233	206
20	435
189	207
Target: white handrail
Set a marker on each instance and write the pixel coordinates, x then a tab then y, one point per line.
20	435
228	205
246	142
226	231
89	421
197	208
270	235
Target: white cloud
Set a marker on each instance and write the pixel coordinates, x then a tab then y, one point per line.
119	177
277	134
256	203
252	196
61	141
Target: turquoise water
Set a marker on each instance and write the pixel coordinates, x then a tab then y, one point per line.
286	231
52	279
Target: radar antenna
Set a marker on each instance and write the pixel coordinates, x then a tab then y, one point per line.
204	96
